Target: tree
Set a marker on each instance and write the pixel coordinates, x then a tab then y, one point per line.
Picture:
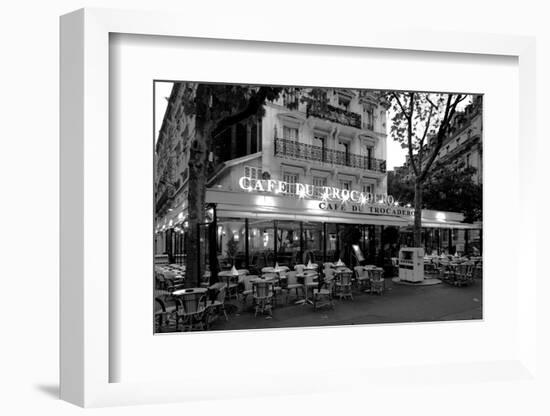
400	188
214	108
452	189
419	118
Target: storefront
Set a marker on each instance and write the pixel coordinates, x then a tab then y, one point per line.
263	222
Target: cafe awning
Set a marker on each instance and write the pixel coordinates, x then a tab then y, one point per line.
449	224
343	219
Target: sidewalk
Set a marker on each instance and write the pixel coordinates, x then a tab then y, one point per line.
398	304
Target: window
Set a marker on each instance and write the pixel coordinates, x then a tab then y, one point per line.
345	185
319	153
290	133
468	160
367	188
252	172
290	179
318	181
344	101
344	148
369	157
368	118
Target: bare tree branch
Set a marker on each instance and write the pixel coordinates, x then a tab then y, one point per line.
400	105
450	109
430	101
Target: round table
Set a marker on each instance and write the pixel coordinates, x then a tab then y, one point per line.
197	290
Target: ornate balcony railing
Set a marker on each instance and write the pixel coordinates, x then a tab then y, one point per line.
334	114
292	149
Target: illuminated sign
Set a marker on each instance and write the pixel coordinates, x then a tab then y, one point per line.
325	193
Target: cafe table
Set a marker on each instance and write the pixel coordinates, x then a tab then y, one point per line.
227	277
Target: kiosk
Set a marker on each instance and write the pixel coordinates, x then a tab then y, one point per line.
411	264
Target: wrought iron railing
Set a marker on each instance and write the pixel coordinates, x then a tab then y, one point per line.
335	114
292	149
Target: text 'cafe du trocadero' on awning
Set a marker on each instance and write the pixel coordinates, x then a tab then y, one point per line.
261	222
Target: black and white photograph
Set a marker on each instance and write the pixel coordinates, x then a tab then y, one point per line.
288	206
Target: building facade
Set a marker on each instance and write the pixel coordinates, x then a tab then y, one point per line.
307	182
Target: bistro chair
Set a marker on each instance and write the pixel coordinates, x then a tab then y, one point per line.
362	277
164	310
343	285
232	285
464	274
193	307
292	284
322	297
309	282
377	282
247	283
262	291
218	304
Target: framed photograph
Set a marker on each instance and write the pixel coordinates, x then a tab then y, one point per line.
316	213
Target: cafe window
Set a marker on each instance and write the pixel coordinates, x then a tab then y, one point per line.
367	188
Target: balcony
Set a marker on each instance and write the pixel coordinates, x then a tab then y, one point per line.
291	149
334	114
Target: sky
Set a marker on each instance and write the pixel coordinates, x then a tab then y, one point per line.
395	153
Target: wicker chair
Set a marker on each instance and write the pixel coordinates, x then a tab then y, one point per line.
247	284
218	304
343	285
322	297
309	282
262	291
362	278
464	274
191	313
292	284
377	282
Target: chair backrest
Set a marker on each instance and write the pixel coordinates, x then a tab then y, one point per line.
267	269
247	281
299	268
345	278
360	271
376	274
310	276
192	302
329	273
220	297
291	278
243	271
159	306
269	275
263	289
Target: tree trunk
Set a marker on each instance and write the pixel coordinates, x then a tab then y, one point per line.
198	162
417	233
